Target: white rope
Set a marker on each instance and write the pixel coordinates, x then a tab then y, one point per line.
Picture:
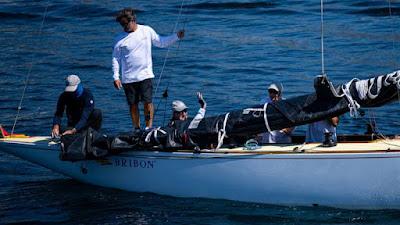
266	117
222	132
378	87
29	72
362	89
353	104
394	78
154	133
257	112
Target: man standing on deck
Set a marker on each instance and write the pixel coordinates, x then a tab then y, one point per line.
78	102
132	56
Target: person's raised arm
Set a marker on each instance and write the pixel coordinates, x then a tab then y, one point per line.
165	41
200	114
201	100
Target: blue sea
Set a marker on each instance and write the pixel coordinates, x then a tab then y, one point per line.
231	51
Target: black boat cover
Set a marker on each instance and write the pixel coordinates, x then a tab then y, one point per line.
212	132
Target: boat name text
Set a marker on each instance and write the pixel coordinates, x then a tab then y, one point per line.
134	163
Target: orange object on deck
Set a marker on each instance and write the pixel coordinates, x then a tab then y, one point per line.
5	134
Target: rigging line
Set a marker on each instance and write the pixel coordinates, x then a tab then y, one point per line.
179	43
30	69
322	38
392	31
165	109
177	49
393	45
169	48
373	119
373	123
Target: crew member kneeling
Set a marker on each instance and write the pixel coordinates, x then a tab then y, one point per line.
78	102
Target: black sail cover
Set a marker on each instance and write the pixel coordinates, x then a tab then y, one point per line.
327	101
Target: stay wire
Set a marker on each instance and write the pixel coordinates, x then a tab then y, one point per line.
182	8
373	122
393	45
169	48
322	39
30	69
393	36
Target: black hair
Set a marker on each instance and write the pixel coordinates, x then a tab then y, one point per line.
127	13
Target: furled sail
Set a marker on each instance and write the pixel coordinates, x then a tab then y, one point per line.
326	102
212	132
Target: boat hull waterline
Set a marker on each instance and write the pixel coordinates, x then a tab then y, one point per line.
368	180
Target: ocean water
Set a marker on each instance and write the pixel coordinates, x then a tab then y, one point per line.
231	51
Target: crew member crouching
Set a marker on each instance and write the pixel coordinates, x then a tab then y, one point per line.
78	102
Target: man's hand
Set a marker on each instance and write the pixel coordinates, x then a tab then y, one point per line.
203	103
55	132
117	84
72	131
288	130
334	121
181	34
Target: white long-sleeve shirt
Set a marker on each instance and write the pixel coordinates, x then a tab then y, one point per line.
197	119
132	53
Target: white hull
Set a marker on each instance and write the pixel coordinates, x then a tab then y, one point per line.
364	180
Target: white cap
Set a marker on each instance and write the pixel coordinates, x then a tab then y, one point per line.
178	106
275	87
72	82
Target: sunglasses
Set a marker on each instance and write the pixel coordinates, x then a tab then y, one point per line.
125	23
272	91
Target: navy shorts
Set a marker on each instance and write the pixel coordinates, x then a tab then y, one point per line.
139	91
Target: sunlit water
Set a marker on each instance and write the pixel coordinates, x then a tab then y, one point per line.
232	50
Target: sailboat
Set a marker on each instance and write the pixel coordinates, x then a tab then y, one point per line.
362	172
359	172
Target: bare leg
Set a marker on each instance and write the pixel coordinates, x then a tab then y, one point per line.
148	114
135	115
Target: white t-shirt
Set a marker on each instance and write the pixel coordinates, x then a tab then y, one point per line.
316	131
132	53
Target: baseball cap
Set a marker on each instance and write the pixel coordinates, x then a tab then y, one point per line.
72	82
178	106
275	87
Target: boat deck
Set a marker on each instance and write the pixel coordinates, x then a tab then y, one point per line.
364	146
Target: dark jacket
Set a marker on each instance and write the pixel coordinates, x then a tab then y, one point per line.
78	109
